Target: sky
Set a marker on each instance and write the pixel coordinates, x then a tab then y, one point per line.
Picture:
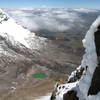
94	4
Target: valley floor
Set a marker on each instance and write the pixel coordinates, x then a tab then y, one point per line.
30	91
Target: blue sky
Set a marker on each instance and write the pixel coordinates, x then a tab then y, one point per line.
95	4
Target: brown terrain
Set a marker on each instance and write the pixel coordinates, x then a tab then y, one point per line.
61	56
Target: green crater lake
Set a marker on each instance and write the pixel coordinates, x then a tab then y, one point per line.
39	75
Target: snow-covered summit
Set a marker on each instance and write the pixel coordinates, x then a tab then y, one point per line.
15	33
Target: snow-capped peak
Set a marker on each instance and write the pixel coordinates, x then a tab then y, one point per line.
16	33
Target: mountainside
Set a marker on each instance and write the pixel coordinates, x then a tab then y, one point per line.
17	52
22	53
16	43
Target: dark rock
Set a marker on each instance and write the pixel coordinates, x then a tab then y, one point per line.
97	40
95	84
53	96
70	95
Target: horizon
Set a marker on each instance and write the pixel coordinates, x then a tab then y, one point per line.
88	4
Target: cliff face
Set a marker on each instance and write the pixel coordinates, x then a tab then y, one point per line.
84	83
95	84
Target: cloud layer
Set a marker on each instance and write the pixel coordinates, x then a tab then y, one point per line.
52	19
